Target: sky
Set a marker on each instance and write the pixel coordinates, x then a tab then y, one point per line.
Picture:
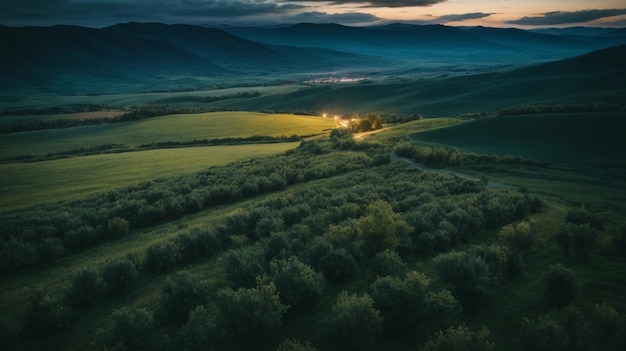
524	14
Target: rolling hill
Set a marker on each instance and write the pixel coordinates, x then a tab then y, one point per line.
598	76
70	58
588	139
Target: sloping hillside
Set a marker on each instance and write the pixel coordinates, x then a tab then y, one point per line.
595	77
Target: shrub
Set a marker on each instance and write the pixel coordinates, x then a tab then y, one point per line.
297	283
119	275
244	265
460	338
543	333
86	287
295	345
338	265
389	262
249	315
117	227
132	329
354	323
181	293
201	331
44	314
560	285
163	257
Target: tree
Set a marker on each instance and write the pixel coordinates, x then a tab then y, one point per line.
400	301
576	239
244	265
201	332
132	330
119	275
295	345
381	228
117	227
441	309
389	262
354	323
519	237
560	285
181	293
543	334
297	283
86	287
460	338
338	265
44	314
249	314
469	276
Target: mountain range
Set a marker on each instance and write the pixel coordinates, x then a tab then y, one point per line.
138	56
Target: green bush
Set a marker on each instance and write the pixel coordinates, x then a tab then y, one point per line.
460	338
560	285
85	289
354	323
119	276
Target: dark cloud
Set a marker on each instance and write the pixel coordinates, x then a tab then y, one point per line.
104	12
343	18
380	3
562	17
463	17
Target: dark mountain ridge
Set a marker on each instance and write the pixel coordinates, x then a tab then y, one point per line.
140	52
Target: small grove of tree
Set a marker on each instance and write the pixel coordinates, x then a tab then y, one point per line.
117	227
131	329
44	314
248	315
297	283
408	307
381	228
201	332
437	157
181	293
354	323
119	275
295	345
579	231
560	285
561	108
460	338
85	288
389	263
471	278
519	237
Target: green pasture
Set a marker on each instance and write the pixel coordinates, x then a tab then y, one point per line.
590	139
184	127
38	100
26	184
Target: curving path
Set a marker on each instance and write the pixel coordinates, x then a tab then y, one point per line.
421	167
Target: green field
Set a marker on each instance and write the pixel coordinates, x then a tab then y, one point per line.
590	139
27	184
161	129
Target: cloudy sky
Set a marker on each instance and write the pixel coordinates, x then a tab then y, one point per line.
493	13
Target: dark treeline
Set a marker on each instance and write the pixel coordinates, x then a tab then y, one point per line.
561	108
208	99
441	157
136	113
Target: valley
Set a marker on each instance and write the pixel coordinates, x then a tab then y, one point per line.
177	187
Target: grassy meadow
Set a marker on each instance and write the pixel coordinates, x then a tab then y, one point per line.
178	128
586	139
29	184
